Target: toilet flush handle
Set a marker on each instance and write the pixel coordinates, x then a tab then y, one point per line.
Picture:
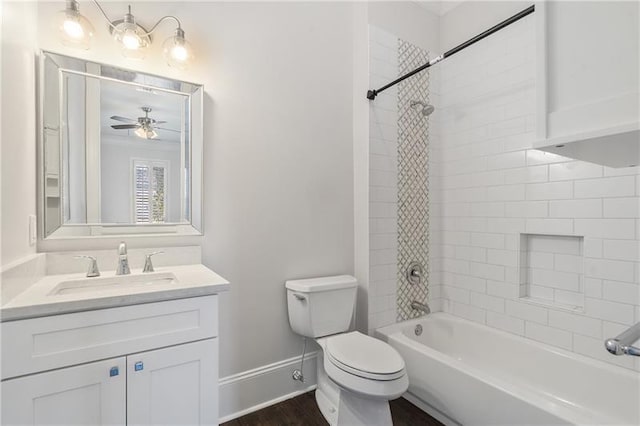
299	297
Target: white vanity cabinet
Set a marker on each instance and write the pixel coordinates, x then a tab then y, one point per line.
154	363
588	87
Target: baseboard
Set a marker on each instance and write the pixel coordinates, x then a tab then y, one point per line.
252	390
430	410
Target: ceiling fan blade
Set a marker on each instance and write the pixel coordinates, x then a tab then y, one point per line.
162	128
159	122
119	118
124	126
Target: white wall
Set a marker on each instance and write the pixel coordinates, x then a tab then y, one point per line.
18	131
278	152
492	187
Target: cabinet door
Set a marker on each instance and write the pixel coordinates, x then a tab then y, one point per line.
90	394
176	385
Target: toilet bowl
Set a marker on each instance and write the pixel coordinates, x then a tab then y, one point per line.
357	374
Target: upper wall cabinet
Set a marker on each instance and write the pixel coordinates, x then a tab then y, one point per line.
588	73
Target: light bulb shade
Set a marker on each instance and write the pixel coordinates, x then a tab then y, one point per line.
177	51
146	132
74	29
132	38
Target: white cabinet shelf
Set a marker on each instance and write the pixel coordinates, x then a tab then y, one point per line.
587	81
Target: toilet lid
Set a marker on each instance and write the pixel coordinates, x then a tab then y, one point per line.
365	356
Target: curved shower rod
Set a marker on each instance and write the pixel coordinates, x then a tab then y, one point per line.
371	94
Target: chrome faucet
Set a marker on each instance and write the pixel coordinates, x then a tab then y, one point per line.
622	344
421	307
123	260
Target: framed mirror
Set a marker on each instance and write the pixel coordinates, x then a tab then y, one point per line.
120	151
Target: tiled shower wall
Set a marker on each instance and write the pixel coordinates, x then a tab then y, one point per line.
398	158
488	188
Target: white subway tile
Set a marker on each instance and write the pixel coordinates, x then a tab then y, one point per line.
622	186
487	209
592	247
593	288
609	311
621	292
505	323
506	161
540	260
575	208
502	257
622	207
574	170
549	335
606	228
568	298
575	323
609	269
526	209
489	303
486	240
485	270
621	250
455	294
471	313
531	174
502	289
505	193
527	311
549	226
549	191
505	225
554	279
569	263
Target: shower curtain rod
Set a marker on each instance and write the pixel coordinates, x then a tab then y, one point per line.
371	94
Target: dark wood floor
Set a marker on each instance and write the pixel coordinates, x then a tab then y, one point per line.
303	410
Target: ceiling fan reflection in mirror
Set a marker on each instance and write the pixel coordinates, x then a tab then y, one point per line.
144	127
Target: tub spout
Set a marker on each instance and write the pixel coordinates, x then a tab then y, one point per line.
423	307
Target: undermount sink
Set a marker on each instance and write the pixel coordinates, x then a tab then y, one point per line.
123	282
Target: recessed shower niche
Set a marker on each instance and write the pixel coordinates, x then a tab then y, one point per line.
552	270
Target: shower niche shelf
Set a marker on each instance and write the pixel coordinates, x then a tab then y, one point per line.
552	271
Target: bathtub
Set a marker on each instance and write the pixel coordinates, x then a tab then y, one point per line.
466	373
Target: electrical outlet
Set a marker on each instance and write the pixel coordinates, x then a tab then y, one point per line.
33	229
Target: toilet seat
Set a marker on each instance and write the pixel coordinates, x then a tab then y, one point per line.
364	356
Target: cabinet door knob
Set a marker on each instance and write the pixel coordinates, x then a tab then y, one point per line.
114	371
138	366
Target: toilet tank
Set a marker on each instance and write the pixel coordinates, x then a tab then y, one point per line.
321	306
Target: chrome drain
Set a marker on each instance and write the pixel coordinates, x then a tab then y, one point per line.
418	330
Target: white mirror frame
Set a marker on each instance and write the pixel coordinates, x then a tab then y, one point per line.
50	230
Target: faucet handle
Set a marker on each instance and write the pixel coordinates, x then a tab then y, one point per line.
93	265
148	266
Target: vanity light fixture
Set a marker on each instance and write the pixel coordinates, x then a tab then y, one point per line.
132	38
75	30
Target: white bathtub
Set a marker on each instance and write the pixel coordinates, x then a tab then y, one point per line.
467	373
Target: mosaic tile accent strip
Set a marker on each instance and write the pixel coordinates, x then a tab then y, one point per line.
413	196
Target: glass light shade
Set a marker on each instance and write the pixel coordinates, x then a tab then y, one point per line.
177	51
74	29
132	39
145	132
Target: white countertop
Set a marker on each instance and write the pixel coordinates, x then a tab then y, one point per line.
37	300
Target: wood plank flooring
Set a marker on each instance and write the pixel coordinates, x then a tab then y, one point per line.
303	411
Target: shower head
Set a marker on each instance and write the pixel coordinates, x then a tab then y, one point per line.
426	109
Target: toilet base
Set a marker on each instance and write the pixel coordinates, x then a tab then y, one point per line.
341	408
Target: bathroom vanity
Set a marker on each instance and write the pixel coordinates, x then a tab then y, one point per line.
132	349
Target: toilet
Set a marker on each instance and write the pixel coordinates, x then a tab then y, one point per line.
357	374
